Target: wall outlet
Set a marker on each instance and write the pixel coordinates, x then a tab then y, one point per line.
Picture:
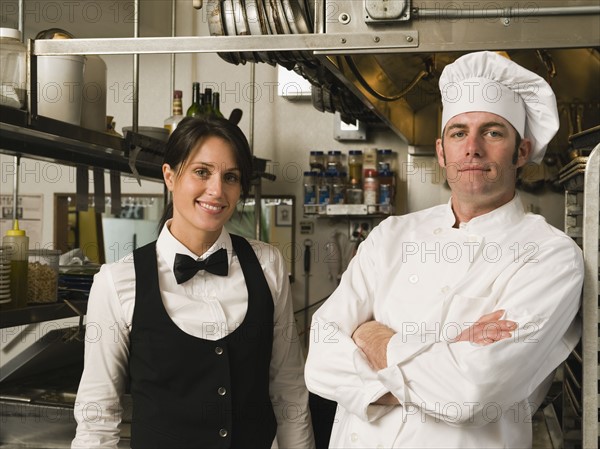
358	229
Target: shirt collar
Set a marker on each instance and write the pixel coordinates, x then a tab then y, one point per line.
500	218
167	246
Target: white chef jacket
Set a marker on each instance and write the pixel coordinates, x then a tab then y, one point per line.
207	306
429	281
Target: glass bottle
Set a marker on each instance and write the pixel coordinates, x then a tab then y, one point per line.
385	157
386	189
216	104
370	187
317	161
207	102
195	109
18	248
338	188
172	122
310	188
355	166
334	161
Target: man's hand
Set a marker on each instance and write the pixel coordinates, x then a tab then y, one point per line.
372	338
488	329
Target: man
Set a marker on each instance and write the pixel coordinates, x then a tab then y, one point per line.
448	325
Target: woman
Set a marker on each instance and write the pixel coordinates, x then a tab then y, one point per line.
208	349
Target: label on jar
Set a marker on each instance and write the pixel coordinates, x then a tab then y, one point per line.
370	191
310	194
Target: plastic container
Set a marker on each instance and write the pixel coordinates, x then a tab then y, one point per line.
42	286
93	108
13	70
18	248
60	87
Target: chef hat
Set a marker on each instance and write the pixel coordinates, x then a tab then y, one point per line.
486	81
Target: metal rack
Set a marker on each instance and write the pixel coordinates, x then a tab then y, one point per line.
580	405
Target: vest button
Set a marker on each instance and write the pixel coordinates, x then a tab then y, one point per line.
219	350
222	391
223	433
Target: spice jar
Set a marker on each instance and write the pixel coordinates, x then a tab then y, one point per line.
317	161
43	275
310	188
370	187
355	166
334	161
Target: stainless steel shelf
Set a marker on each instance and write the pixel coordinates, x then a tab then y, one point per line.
55	141
41	313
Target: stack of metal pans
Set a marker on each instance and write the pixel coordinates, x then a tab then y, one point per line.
261	17
266	17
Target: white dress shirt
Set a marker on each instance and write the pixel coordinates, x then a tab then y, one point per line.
429	281
206	306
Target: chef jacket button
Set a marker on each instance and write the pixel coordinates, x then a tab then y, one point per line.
413	279
354	437
222	391
437	231
223	433
472	238
445	290
219	350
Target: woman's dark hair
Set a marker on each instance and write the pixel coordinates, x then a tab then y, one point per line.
186	137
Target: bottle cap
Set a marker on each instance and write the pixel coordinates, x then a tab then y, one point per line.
15	231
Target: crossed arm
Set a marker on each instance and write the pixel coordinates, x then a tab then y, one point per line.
373	337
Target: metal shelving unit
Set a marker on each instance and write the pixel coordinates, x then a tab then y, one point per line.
55	141
580	404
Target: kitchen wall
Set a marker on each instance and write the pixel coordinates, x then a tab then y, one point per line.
283	132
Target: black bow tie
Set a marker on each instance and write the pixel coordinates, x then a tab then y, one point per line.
186	267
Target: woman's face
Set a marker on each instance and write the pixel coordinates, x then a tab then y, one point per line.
205	192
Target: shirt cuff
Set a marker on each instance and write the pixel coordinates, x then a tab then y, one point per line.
371	390
402	347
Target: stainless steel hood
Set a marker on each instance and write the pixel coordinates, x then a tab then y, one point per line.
396	82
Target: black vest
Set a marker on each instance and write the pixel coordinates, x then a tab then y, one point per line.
193	393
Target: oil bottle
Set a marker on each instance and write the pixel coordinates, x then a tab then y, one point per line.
17	244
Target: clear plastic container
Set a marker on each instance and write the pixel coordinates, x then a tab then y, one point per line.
13	74
42	286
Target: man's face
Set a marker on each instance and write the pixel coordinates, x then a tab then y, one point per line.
477	150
